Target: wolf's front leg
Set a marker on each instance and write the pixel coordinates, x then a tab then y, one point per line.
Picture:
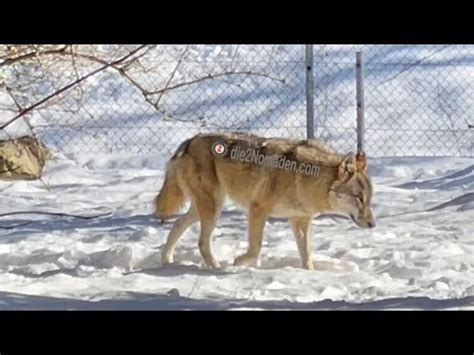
256	223
302	229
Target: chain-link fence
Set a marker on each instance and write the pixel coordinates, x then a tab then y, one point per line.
419	99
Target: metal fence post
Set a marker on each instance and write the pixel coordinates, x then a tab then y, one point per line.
309	92
360	102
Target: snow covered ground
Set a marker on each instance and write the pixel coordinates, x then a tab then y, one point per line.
420	255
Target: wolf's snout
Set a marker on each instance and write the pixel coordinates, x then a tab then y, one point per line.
371	224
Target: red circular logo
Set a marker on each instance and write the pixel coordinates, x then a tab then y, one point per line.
219	148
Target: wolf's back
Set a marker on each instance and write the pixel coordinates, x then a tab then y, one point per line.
195	165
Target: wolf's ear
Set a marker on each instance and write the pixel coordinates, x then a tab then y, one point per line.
361	161
347	167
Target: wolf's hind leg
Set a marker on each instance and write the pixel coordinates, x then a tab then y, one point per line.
302	229
256	224
209	208
180	226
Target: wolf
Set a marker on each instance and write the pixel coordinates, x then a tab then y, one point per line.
205	170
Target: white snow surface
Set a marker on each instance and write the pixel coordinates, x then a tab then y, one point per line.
420	255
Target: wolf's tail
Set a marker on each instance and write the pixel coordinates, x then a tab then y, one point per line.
171	197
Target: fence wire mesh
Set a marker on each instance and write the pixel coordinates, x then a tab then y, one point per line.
419	99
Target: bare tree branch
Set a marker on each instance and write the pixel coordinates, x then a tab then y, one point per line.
136	59
408	67
9	91
122	70
123	66
67	87
181	58
11	60
213	76
147	94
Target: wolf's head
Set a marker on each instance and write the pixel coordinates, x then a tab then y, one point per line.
351	192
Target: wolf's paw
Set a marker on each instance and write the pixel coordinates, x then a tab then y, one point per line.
166	259
308	265
212	264
244	260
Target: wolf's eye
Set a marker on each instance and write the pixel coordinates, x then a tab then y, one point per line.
361	197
